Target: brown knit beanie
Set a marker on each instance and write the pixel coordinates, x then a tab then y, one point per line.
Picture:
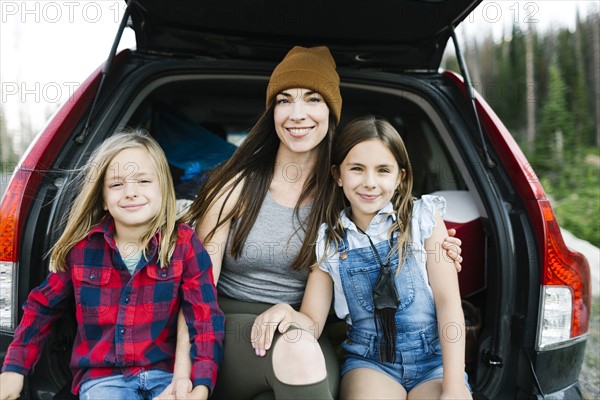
308	68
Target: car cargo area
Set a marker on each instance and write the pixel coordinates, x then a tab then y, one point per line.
199	120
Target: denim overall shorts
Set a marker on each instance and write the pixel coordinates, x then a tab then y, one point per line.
418	349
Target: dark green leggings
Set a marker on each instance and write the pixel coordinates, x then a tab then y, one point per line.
245	376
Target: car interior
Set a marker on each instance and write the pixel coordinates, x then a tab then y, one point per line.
199	122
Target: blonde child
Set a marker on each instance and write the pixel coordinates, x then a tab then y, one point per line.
379	256
130	266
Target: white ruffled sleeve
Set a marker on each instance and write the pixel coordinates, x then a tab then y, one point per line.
424	213
331	265
323	262
423	222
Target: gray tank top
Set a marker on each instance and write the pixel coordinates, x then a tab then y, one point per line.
262	273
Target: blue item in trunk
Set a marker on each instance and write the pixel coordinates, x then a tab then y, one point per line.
188	145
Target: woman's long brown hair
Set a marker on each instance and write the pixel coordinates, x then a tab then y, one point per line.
252	165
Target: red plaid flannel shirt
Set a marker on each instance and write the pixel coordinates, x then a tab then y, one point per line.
126	324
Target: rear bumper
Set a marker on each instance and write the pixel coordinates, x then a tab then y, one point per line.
573	392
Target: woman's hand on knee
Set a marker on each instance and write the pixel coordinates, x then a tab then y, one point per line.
277	318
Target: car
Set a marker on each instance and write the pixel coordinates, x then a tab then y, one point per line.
197	80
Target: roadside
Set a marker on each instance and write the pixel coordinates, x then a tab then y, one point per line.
590	371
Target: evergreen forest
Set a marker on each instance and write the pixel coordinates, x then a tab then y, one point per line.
545	87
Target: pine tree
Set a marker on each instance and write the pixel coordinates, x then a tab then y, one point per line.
555	127
7	154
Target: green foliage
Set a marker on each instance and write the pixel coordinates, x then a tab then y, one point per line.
576	197
7	154
451	63
563	91
554	137
506	89
571	67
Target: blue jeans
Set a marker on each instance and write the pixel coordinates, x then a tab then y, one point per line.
144	386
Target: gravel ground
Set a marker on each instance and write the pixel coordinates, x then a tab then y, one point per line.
590	373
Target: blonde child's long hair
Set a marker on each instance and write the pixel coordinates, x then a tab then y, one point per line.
87	209
357	131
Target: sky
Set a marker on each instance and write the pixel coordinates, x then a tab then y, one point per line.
496	16
48	48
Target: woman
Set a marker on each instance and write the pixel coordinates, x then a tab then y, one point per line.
258	215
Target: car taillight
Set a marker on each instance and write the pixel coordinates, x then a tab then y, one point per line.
565	297
8	290
24	184
9	226
555	315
